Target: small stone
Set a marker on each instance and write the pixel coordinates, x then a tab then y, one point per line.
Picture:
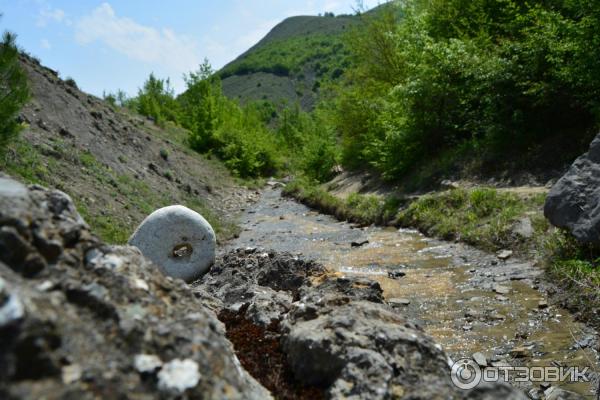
501	289
138	283
520	352
504	254
146	363
480	359
11	308
467	328
495	316
534	394
45	286
501	298
399	302
396	274
71	373
179	375
543	304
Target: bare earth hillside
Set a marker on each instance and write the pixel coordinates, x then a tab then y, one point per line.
117	166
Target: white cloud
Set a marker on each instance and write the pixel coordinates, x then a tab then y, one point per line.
45	44
48	14
164	48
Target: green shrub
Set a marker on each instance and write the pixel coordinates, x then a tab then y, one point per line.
164	154
156	100
14	92
71	82
503	76
483	217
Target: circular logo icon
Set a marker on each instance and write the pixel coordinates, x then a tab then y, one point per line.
465	374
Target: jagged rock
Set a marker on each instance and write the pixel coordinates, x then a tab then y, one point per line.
179	240
572	203
73	329
325	336
480	359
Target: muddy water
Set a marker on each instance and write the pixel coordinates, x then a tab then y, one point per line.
467	300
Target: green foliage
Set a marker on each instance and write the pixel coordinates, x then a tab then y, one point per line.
164	154
483	217
247	147
289	56
71	82
501	76
13	89
156	100
200	105
363	209
118	99
238	135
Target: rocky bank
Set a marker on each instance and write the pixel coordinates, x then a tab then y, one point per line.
572	203
80	319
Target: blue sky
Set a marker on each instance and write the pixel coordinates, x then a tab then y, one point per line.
116	44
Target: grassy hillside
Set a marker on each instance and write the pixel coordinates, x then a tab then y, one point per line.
116	165
291	62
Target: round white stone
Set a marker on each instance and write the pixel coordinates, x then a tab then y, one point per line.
178	240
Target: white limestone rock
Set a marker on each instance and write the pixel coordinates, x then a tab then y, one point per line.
179	240
179	375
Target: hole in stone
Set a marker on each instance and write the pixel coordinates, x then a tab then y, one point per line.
182	250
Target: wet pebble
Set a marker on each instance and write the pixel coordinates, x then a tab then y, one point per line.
501	289
504	254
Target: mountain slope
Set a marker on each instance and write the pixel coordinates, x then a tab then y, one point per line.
291	62
117	166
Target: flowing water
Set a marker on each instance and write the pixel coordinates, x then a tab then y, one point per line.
469	301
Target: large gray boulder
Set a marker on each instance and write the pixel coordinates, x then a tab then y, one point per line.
179	240
82	320
574	201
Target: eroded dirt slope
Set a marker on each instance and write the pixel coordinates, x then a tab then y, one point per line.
117	166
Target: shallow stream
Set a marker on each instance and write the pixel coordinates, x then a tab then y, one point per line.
469	301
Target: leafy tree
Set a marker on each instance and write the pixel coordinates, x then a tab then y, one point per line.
502	77
14	92
200	107
118	99
156	99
